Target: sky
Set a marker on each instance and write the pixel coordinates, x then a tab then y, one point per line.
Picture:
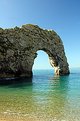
63	16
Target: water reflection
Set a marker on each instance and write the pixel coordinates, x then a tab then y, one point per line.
16	82
59	98
61	83
51	97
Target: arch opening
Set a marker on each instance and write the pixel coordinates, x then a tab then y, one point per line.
42	61
57	63
48	61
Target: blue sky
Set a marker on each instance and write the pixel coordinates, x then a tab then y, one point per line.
63	16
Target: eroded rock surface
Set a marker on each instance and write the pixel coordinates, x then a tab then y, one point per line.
19	46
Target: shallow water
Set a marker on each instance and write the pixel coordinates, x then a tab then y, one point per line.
46	98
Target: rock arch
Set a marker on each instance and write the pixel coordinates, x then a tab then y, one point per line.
18	47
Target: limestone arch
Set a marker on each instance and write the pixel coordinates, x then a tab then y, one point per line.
18	49
55	61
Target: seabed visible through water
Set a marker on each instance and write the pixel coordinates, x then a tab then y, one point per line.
46	98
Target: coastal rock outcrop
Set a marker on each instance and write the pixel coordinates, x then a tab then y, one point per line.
19	46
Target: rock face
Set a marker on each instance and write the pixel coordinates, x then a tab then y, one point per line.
19	46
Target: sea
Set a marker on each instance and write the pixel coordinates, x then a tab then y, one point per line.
45	97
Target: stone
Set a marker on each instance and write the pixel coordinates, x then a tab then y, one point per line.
19	46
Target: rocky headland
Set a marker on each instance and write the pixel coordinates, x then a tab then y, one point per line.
19	46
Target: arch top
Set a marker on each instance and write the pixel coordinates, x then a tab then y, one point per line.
18	47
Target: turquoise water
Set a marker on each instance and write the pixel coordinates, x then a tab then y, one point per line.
46	98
